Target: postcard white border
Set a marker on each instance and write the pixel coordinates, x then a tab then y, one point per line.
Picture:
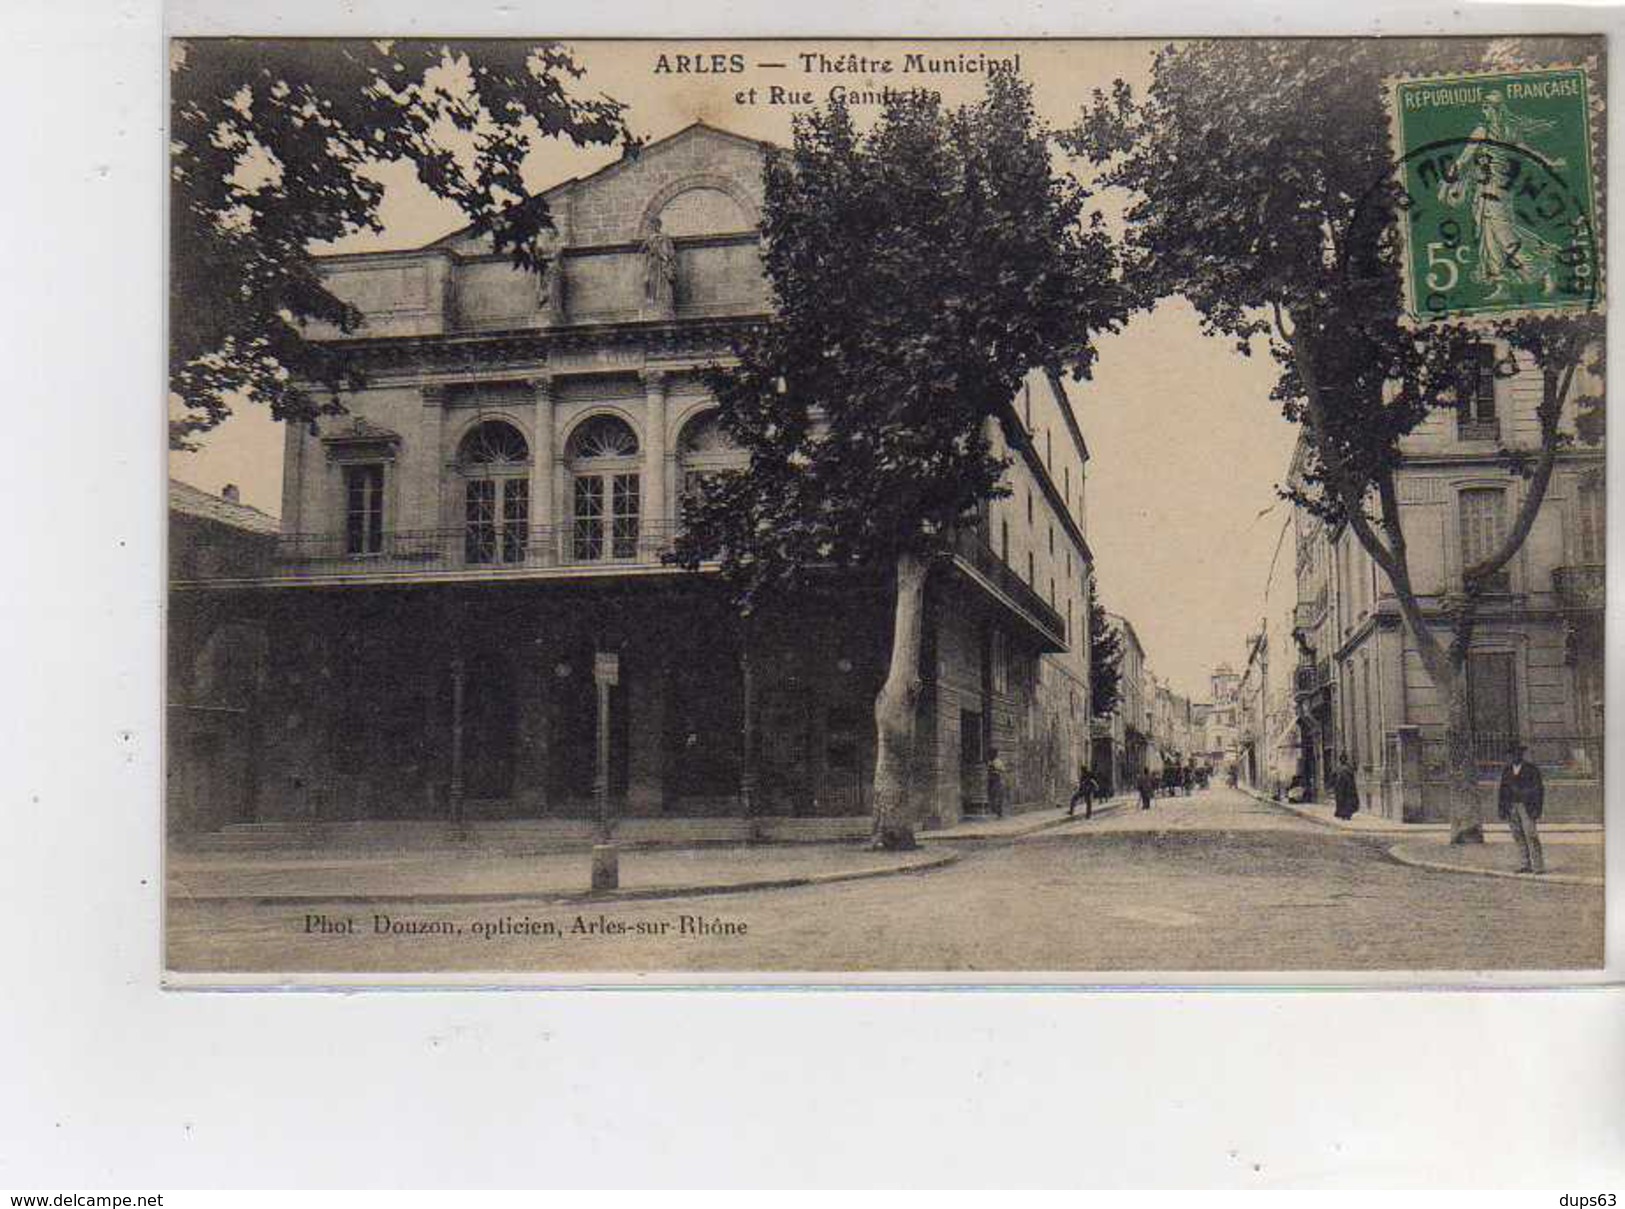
123	1085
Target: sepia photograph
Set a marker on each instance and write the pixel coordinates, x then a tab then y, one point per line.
1034	510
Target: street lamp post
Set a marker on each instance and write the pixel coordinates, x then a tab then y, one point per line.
606	870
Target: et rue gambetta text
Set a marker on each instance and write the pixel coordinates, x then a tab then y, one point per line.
847	77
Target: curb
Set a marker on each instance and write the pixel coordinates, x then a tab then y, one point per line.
1550	879
1387	827
574	896
1314	817
945	837
1031	829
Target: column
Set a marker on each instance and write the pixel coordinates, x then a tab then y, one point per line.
542	472
655	513
422	465
458	673
747	726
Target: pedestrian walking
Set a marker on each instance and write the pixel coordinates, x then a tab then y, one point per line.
1521	800
1345	791
1144	784
1086	791
995	783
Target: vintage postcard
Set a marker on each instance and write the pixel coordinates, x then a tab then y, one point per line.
1036	510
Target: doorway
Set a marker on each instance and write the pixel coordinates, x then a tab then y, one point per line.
573	752
490	726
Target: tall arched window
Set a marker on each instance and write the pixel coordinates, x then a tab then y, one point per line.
495	463
703	450
606	492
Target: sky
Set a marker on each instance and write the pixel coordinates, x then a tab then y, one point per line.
1186	447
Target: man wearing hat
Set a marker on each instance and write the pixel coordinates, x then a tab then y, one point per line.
1520	802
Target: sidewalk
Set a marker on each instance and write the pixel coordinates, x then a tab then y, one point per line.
1367	823
1014	826
1571	859
483	876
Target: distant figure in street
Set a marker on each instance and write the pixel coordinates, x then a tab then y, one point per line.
1086	791
1520	802
995	783
1345	792
1144	784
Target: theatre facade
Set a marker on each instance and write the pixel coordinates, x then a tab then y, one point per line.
479	542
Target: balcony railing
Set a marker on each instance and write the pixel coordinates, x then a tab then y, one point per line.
1308	613
468	550
1580	587
969	546
1567	756
1305	679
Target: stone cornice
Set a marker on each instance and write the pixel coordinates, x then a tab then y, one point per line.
526	353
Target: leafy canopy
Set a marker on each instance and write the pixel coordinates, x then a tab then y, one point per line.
1261	177
918	271
273	149
1105	661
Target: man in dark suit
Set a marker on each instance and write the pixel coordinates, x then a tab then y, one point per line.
1086	791
1520	802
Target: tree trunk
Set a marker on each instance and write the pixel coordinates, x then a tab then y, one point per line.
1466	826
895	709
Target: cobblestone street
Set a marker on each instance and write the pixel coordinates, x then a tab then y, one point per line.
1217	881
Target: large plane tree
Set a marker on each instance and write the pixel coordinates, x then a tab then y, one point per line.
919	270
274	149
1258	176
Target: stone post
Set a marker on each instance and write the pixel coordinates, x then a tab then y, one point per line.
1410	773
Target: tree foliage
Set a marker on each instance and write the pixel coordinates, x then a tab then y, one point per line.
918	272
1105	661
1260	175
273	150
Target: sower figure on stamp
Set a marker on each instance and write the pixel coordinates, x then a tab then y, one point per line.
1086	791
1509	249
1521	800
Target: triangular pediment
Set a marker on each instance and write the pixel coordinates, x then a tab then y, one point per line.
612	204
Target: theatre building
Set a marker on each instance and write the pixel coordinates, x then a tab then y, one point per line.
478	542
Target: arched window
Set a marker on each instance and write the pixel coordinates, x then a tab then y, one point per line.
703	211
703	450
495	462
606	492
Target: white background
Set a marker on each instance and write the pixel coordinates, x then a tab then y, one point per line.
108	1082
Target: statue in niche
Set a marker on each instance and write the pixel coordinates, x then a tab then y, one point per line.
553	296
659	270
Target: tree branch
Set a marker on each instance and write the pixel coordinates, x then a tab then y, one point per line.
1555	389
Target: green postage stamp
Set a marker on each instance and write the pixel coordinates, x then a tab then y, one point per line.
1500	194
